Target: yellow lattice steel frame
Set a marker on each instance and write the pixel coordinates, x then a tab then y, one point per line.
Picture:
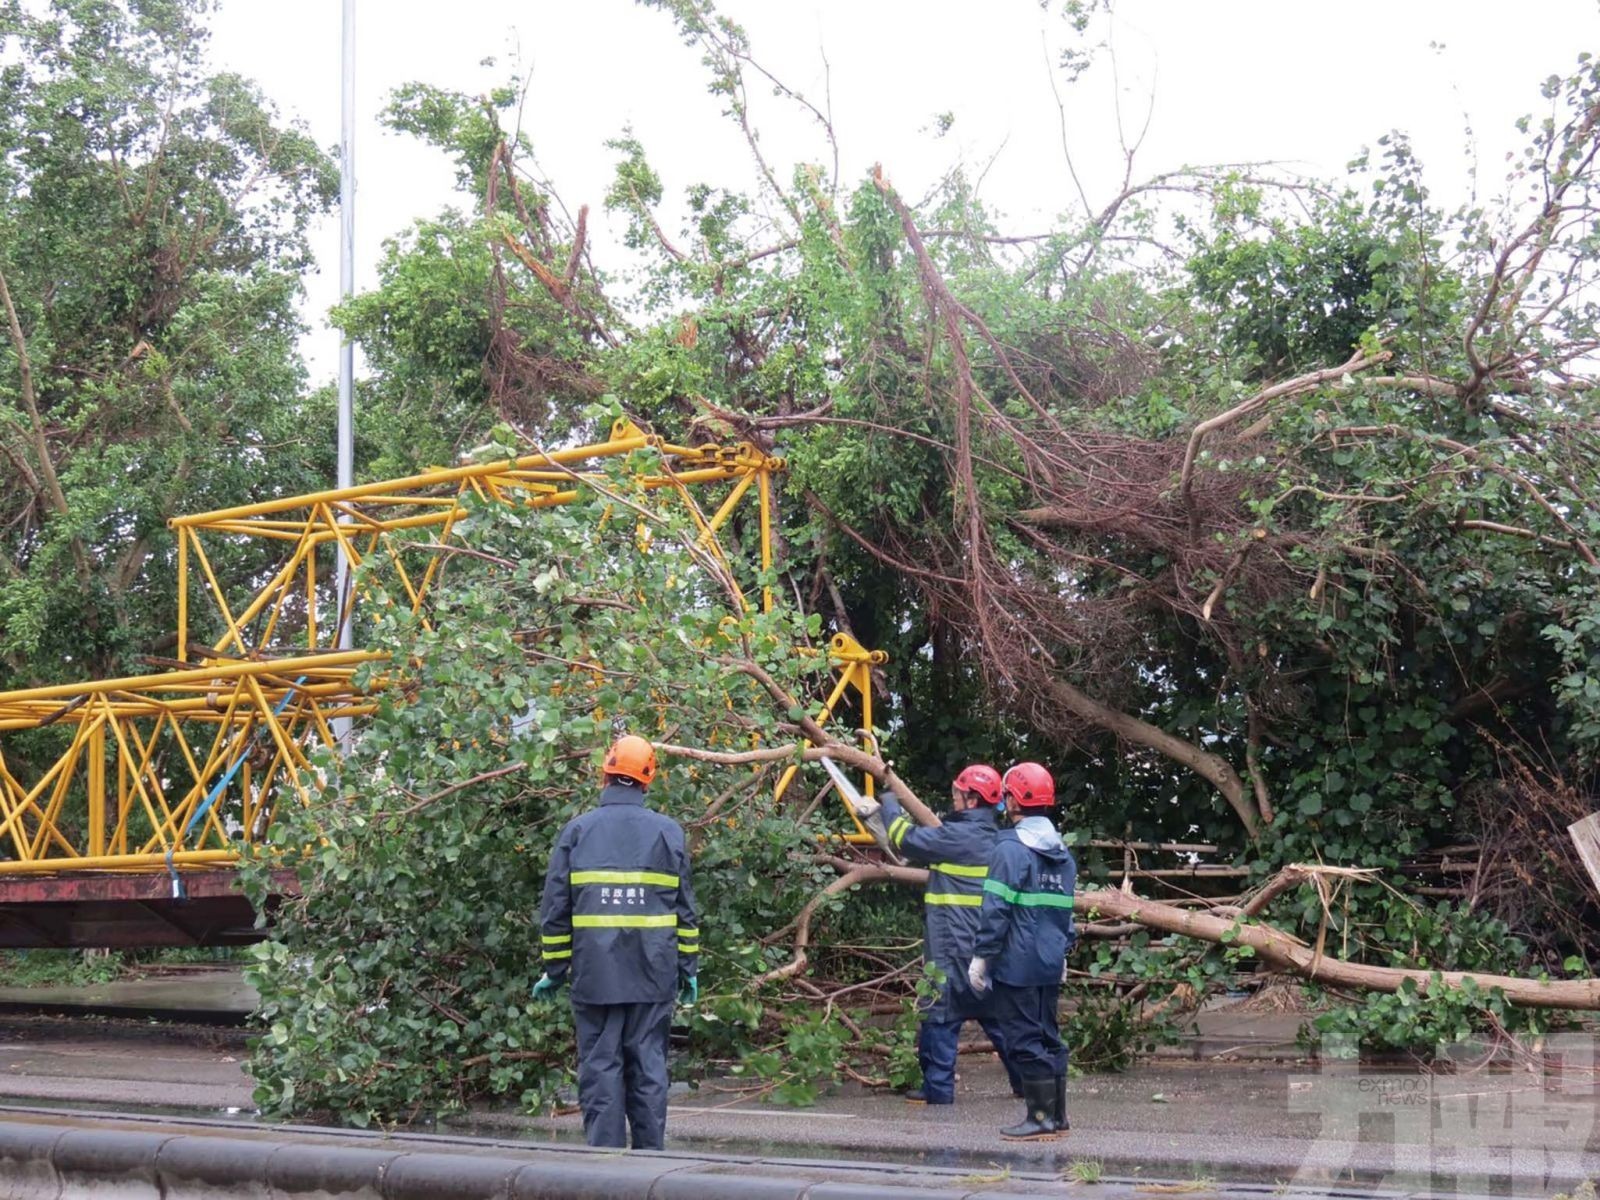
430	505
854	663
147	751
184	768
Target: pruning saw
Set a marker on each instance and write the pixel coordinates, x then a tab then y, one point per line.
868	811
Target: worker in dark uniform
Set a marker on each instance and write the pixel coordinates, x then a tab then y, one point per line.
957	857
1020	955
619	915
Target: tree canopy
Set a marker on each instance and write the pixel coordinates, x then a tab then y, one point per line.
1266	502
1259	508
153	220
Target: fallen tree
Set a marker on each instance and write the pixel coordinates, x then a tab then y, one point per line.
1165	516
1226	925
1226	579
1282	950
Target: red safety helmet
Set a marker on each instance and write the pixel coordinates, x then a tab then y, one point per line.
1028	785
632	757
982	779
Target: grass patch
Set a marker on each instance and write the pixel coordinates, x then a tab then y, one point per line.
83	968
57	968
1002	1175
1086	1170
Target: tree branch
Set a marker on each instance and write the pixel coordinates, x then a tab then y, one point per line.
1289	387
1272	945
41	442
485	777
822	743
1517	478
1278	949
1212	767
802	926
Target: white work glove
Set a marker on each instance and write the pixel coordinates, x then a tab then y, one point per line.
978	974
866	807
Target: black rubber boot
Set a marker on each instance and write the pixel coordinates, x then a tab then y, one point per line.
1062	1124
1038	1119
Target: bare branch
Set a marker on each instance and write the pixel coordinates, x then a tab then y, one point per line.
41	441
1289	387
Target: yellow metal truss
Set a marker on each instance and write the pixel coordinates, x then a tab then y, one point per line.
185	768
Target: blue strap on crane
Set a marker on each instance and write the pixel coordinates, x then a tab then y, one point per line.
178	892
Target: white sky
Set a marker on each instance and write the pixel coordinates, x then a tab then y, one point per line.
1288	80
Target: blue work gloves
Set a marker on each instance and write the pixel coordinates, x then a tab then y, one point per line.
546	987
689	991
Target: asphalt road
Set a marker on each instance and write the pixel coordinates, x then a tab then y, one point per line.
1476	1132
155	1072
1529	1131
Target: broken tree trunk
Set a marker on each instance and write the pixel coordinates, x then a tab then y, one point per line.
1279	949
1273	946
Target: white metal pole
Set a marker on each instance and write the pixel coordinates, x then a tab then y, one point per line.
347	287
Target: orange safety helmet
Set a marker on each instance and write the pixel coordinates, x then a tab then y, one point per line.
633	758
1028	785
982	779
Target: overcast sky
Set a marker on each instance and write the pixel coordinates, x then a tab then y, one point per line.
1306	84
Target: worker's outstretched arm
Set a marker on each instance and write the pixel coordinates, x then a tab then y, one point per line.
555	913
688	919
916	842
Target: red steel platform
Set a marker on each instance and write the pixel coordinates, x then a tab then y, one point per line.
118	910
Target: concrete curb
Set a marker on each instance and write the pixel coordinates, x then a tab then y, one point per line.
57	1156
70	1156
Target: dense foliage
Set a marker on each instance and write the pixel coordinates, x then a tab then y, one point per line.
152	238
1261	509
987	458
398	981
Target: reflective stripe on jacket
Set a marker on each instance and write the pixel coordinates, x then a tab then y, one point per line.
618	907
1026	924
956	855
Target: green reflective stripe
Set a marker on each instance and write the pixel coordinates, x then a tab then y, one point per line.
555	939
549	954
579	878
961	869
1027	899
688	935
625	921
898	828
964	899
684	948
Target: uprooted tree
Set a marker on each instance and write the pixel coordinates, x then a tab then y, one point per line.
1261	509
398	981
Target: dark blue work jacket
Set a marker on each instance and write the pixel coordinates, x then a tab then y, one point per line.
618	906
1026	925
956	855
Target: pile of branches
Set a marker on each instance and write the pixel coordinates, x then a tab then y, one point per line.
1529	872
